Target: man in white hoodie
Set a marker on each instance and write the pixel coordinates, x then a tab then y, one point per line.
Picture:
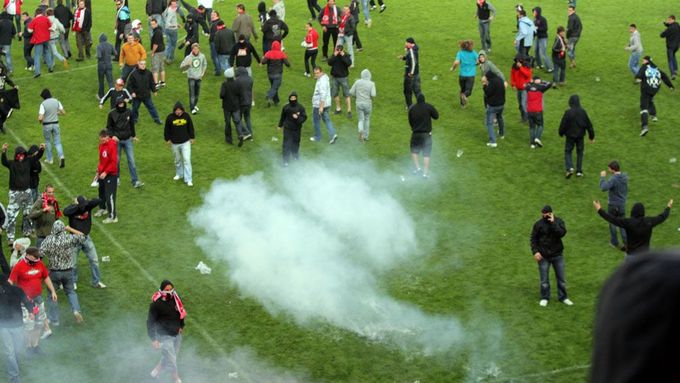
363	91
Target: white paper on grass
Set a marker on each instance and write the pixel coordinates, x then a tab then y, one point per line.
203	268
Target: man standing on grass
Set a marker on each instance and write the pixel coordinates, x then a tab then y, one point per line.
547	247
494	100
82	24
243	24
340	64
171	27
141	86
231	106
40	28
131	53
165	325
574	124
12	325
420	118
195	66
638	227
672	36
635	48
650	82
107	174
321	101
329	18
411	71
44	212
157	54
80	218
48	115
19	189
179	133
293	116
617	190
485	14
574	29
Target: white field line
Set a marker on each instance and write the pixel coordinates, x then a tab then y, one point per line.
548	373
46	73
151	279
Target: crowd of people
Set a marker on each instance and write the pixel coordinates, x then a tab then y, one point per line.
233	54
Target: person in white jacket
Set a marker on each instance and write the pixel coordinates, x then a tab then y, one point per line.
363	90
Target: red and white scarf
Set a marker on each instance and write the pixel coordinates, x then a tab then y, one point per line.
79	19
327	18
343	20
165	295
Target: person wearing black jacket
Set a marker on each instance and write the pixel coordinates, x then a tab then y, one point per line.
224	43
154	9
121	124
420	118
411	71
274	29
192	35
293	115
242	55
26	36
34	154
179	133
20	169
83	30
11	324
80	218
541	24
329	18
575	122
340	63
494	100
141	86
650	78
165	325
65	17
638	227
198	14
672	36
214	21
574	29
230	106
244	86
547	248
7	32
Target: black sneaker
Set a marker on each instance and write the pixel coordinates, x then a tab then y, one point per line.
570	173
62	163
240	142
338	111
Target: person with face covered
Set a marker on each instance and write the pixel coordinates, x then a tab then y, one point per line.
191	27
19	189
293	116
120	124
242	54
179	133
165	325
118	90
275	59
548	250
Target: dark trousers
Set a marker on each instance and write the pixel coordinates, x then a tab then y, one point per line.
411	87
327	34
568	148
107	194
246	127
560	72
466	84
356	40
228	117
310	55
103	72
672	61
373	2
313	6
647	108
28	55
620	212
291	144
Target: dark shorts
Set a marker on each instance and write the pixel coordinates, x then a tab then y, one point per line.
421	142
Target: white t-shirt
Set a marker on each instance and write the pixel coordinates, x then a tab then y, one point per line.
206	3
11	7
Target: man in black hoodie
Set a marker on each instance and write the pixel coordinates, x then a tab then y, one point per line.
7	32
340	63
65	17
80	218
274	29
494	100
19	189
574	29
575	122
638	227
650	82
420	118
179	132
547	248
121	125
541	24
672	36
242	54
244	84
141	85
293	116
231	106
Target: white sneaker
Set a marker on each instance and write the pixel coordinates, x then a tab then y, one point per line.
532	146
155	372
138	184
75	286
332	141
100	285
100	213
46	334
538	142
313	139
190	183
543	302
175	178
567	302
110	220
492	144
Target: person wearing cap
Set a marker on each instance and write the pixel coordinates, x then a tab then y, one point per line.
548	250
340	63
672	36
48	116
293	115
118	90
411	71
165	326
179	133
105	51
535	90
573	126
229	93
195	65
12	299
650	77
420	118
131	53
79	216
485	14
617	195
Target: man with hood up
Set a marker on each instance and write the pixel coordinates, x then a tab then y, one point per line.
650	82
244	84
275	59
59	247
104	68
293	116
231	106
121	125
179	132
165	325
364	92
80	218
274	29
242	54
638	227
575	122
19	189
548	250
494	100
7	32
420	118
541	52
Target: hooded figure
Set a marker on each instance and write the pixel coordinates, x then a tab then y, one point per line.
363	90
20	198
242	53
420	117
638	227
179	132
486	66
105	52
293	116
575	122
231	105
650	78
192	34
273	29
119	123
165	324
275	59
35	153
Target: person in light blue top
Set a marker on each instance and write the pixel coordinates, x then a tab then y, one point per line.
466	58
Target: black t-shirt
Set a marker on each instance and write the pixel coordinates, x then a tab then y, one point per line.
157	38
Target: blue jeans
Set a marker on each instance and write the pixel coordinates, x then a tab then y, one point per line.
130	155
522	103
571	47
485	34
104	72
224	62
346	41
316	118
51	134
64	277
91	253
273	92
149	106
8	56
634	62
569	145
543	269
542	57
12	345
491	112
367	11
672	60
125	71
182	154
170	346
170	43
194	92
38	51
215	61
55	51
617	211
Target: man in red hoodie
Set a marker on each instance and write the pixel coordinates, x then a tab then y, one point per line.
107	173
40	27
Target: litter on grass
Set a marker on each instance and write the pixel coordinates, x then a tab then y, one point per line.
233	375
673	160
203	268
106	259
459	153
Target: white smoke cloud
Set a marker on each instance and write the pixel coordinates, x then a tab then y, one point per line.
313	242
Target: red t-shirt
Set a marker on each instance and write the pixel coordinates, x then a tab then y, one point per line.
41	30
108	158
312	38
29	278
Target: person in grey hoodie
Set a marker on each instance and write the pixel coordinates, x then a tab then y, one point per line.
105	52
635	48
617	188
363	91
485	66
195	65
